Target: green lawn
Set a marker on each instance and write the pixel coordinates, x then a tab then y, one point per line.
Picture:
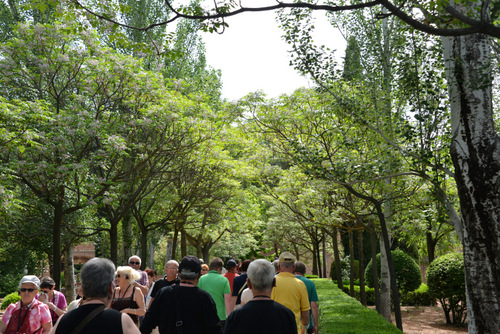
342	314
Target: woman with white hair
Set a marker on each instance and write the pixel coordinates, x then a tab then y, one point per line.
27	315
126	297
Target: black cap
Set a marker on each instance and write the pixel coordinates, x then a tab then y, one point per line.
231	264
190	264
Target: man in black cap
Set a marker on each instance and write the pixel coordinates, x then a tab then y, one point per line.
231	272
184	308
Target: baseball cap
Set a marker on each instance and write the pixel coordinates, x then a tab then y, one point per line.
30	279
287	257
190	264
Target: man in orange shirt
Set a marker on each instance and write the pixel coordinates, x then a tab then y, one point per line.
231	272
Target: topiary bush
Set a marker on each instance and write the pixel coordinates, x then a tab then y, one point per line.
370	293
418	297
10	299
407	271
446	281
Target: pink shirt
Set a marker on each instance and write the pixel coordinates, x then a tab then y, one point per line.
39	314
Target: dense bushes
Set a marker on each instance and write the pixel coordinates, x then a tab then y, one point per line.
9	299
418	297
345	267
446	281
407	271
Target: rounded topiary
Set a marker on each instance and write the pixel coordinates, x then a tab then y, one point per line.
446	281
10	299
407	271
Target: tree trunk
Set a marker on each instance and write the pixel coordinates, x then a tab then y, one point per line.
127	238
375	270
475	151
69	274
362	293
324	255
183	243
113	242
315	262
144	248
351	264
151	255
56	237
174	242
170	250
336	254
318	257
385	284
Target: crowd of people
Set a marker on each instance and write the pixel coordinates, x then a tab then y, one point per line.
248	297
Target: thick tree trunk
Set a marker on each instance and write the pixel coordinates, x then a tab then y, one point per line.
475	151
69	274
385	284
170	250
351	263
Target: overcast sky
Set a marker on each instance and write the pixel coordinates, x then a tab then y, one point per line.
252	56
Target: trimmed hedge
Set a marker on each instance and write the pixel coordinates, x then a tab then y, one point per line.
419	297
407	271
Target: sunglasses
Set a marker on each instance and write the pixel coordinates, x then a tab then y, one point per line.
133	262
27	289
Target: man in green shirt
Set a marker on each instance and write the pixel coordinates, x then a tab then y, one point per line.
218	287
300	271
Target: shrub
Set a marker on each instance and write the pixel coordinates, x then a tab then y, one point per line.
345	266
419	297
311	276
370	293
407	271
446	280
10	299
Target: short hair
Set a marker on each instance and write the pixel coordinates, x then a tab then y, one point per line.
96	276
205	266
300	267
244	265
130	273
170	262
134	256
216	263
276	264
261	274
47	283
287	264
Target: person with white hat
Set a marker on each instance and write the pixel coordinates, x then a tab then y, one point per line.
27	315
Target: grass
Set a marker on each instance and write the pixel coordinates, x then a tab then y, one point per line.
341	314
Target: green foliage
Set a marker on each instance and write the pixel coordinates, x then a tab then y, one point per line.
446	280
11	298
407	271
345	267
418	297
341	314
370	293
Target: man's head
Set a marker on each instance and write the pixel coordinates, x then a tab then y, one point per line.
171	268
231	266
300	268
135	262
97	277
261	275
189	268
287	262
216	264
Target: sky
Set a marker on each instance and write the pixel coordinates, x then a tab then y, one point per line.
252	56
